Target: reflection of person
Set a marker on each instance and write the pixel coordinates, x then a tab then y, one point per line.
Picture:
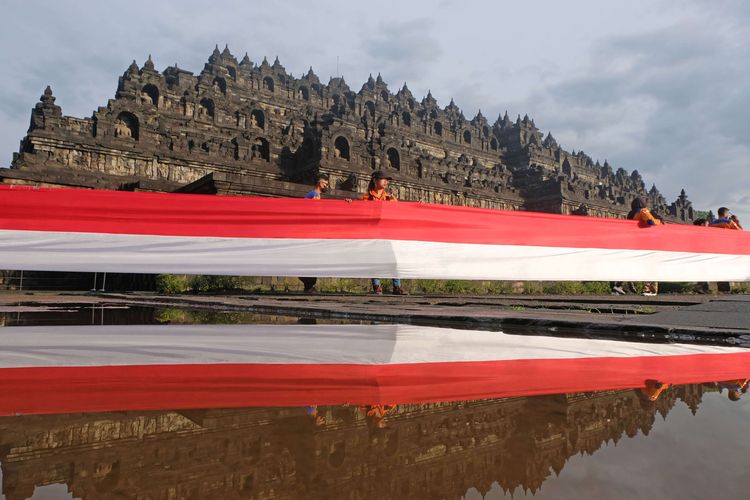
321	186
378	191
735	388
653	389
375	415
316	417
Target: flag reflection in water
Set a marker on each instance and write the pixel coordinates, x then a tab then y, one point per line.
325	411
418	450
149	367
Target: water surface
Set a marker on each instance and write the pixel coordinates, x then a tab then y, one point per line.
689	443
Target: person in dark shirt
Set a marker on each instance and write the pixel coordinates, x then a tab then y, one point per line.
725	221
702	287
321	186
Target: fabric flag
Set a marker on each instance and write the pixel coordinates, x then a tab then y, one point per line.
65	369
112	231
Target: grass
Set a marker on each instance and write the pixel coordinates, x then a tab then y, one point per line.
180	284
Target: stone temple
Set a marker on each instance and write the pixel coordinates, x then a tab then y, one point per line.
238	128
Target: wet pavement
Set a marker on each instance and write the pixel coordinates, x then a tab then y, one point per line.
727	313
696	317
105	313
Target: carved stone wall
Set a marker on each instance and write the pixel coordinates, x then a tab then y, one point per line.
164	131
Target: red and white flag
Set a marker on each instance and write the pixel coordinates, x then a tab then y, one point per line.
66	369
84	230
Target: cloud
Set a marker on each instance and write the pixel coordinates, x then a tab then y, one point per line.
669	102
403	49
648	85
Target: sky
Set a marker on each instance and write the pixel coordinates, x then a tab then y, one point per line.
649	85
685	456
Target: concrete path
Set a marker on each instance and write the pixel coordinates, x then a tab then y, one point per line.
728	313
672	316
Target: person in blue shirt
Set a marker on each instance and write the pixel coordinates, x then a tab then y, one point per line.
321	186
726	220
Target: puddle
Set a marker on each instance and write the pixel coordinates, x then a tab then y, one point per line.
118	314
689	443
350	433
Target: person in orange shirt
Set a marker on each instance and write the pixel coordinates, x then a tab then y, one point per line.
639	211
377	190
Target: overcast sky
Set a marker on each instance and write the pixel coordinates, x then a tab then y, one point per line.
661	87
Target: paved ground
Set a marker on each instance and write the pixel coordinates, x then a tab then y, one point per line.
680	316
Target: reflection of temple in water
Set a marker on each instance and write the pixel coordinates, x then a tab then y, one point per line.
424	451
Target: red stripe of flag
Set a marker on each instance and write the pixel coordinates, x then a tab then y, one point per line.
152	387
70	210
